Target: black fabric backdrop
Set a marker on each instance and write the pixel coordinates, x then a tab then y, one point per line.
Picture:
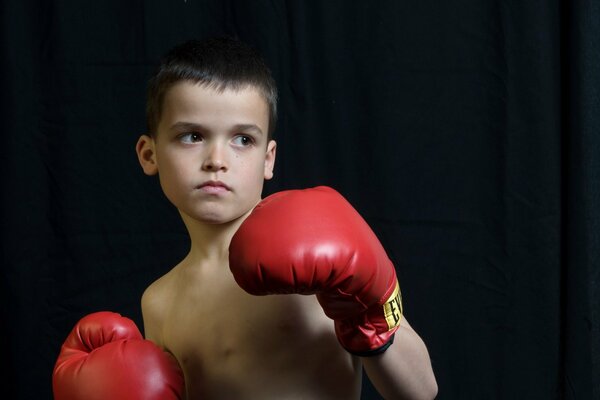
465	132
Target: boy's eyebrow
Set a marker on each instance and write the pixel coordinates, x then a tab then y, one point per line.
248	127
182	125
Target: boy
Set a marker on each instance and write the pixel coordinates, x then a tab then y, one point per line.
211	114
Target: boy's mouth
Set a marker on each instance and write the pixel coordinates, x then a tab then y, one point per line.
214	187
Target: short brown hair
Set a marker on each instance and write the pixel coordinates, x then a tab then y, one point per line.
219	62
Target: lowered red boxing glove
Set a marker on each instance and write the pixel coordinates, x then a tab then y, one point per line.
314	242
105	357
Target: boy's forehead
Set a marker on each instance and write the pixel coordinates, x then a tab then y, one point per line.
192	102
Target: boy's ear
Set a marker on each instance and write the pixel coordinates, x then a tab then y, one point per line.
270	159
146	154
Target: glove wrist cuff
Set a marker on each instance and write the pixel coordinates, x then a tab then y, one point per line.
372	332
374	352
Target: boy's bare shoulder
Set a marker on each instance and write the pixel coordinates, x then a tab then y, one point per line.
156	303
158	289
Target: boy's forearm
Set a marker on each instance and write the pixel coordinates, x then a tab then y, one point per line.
404	370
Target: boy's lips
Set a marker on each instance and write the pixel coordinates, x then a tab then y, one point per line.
214	187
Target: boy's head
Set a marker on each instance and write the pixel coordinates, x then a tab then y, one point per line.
219	63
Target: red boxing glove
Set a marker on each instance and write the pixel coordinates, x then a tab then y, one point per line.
314	242
105	357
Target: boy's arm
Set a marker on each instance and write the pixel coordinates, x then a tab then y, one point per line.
404	370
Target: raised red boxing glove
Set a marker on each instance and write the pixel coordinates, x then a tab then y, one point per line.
105	357
313	241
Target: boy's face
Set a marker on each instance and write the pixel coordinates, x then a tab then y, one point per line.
211	151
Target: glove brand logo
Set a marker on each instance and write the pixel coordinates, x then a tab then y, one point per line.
392	309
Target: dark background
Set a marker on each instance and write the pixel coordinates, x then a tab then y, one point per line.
465	132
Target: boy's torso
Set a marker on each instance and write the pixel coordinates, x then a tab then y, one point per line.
232	345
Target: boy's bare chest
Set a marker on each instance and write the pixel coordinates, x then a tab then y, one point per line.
226	338
221	320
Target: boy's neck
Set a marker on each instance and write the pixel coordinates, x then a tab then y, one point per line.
210	242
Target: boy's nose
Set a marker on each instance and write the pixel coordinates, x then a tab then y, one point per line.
214	160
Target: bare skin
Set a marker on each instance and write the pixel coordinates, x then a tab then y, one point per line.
237	346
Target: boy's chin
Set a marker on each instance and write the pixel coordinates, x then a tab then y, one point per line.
215	221
216	216
221	219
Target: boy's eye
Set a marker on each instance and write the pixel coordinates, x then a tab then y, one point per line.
190	137
243	140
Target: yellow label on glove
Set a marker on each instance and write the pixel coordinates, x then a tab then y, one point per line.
392	308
